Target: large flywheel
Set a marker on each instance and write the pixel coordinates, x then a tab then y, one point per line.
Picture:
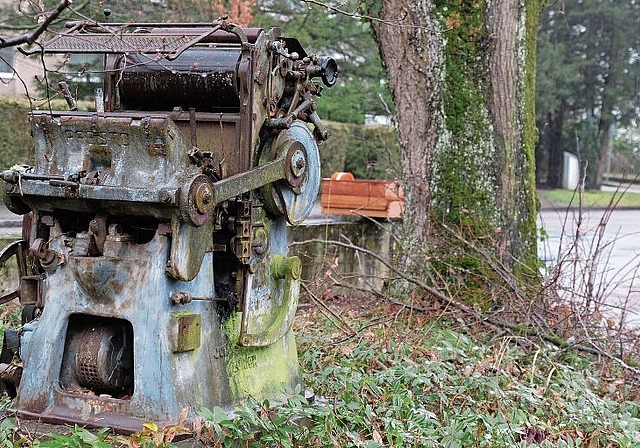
294	196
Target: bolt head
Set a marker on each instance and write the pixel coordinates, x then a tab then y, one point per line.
165	196
204	199
298	163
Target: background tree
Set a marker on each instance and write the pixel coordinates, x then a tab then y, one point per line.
462	78
589	82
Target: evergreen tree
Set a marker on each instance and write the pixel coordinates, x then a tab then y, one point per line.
588	82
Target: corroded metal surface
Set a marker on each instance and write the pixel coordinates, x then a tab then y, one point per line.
124	43
155	273
204	79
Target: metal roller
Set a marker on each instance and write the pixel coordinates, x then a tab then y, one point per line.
203	78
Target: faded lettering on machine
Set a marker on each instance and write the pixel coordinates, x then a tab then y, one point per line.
98	138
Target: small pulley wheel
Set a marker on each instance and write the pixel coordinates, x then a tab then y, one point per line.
295	195
296	164
197	201
29	313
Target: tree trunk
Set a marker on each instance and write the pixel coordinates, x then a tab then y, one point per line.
462	77
604	146
606	118
410	43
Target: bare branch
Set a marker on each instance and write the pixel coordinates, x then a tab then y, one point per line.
336	10
358	16
483	318
30	38
346	328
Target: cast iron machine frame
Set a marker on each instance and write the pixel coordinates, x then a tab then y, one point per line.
154	273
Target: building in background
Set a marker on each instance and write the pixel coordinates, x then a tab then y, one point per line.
18	73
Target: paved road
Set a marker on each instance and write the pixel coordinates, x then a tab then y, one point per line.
10	224
599	252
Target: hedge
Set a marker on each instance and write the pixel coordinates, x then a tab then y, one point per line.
16	145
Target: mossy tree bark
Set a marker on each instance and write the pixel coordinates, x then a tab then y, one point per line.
410	43
462	75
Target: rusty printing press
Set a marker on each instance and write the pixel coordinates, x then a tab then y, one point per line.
153	265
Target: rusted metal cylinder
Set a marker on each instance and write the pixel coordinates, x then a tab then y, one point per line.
204	79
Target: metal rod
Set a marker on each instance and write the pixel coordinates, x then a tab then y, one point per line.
89	23
238	184
13	176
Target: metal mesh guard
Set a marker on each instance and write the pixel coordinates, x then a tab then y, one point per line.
111	43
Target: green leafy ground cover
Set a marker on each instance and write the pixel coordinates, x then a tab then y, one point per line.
393	378
406	380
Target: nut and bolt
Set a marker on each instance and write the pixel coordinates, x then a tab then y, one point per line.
204	199
165	196
178	297
298	163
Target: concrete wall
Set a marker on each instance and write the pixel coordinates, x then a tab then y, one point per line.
23	83
333	270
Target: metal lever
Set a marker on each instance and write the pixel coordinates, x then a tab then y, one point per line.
289	270
260	176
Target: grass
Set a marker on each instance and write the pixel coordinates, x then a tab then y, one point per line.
561	199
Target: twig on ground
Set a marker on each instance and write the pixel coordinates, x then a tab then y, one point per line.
485	319
327	309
